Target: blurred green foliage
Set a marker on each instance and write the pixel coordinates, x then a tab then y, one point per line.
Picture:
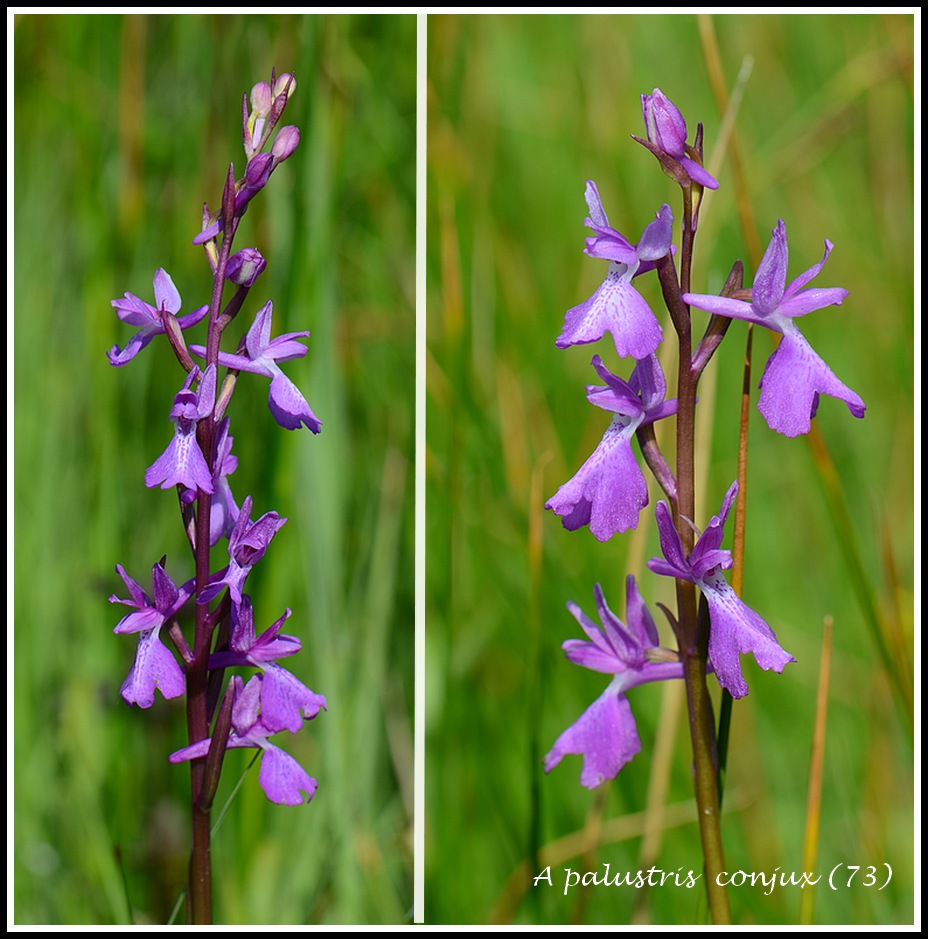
523	110
124	126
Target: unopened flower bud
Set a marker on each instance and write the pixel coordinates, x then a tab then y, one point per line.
261	98
261	102
258	172
245	267
285	143
664	123
285	82
666	130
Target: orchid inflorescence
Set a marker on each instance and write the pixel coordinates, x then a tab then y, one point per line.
609	490
198	461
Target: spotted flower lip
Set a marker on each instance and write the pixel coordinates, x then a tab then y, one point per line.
795	375
735	629
606	734
130	309
281	777
609	490
183	462
617	307
155	665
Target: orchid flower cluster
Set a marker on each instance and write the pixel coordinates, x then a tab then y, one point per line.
609	490
198	462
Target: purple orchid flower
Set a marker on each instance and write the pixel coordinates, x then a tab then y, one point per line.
735	629
247	543
288	406
183	463
795	375
616	307
285	700
666	131
223	510
281	777
155	665
606	734
130	309
609	490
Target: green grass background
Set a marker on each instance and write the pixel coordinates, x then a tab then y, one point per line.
522	110
123	127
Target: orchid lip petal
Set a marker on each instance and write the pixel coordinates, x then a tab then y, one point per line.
795	376
605	734
735	629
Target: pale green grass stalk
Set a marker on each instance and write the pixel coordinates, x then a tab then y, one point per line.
810	847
